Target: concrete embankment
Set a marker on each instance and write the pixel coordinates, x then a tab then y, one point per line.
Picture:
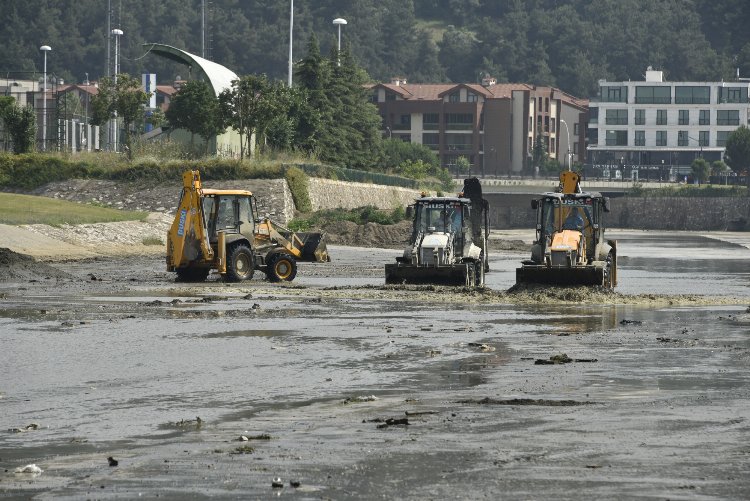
513	210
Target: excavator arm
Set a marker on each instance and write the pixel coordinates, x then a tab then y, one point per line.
187	239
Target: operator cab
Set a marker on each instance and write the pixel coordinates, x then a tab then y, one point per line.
231	211
440	215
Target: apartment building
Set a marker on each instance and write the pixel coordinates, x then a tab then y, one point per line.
493	125
655	129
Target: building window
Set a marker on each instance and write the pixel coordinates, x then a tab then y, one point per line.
682	138
594	114
692	95
617	138
471	97
552	124
732	95
531	124
721	137
727	117
705	117
390	96
431	121
703	138
459	121
593	136
661	117
615	94
576	129
546	105
431	140
640	138
575	148
617	117
455	97
552	145
683	117
458	142
653	95
404	123
661	138
546	124
640	117
374	97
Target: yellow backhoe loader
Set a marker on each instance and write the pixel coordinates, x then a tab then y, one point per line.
221	230
570	248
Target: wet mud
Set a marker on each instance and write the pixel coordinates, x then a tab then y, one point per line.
117	382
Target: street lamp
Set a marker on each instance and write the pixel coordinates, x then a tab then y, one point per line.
291	26
45	49
567	131
117	33
338	22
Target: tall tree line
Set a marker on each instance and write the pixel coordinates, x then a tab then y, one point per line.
567	43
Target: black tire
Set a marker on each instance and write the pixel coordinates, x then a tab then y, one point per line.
192	274
281	267
240	263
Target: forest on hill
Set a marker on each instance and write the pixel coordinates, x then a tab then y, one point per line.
570	44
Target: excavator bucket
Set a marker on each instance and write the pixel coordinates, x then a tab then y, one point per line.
560	275
398	273
314	248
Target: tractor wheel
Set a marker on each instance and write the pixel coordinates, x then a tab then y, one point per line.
281	267
192	274
240	263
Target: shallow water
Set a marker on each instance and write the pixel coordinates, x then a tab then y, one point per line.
123	367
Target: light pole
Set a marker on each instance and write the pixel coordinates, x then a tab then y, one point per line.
291	27
116	33
338	22
45	49
567	131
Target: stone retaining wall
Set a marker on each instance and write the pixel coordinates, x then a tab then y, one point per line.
330	194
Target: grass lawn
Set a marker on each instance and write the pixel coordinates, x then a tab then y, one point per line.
27	209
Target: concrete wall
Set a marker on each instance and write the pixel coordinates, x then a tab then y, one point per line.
330	194
513	210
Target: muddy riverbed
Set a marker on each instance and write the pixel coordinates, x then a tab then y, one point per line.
341	388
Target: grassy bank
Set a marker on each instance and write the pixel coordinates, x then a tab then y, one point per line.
26	209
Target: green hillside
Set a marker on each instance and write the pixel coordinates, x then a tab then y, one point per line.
570	44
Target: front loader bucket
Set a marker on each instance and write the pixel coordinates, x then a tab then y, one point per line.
314	248
560	275
398	273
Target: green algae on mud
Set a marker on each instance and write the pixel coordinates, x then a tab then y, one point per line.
518	294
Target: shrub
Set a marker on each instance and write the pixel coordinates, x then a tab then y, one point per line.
300	188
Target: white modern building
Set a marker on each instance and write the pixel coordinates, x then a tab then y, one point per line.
655	129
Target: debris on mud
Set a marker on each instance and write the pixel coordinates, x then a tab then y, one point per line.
524	401
246	438
353	400
625	321
243	449
482	346
28	427
277	483
16	266
186	424
29	468
386	422
112	461
562	358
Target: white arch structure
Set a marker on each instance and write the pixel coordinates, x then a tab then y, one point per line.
218	77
